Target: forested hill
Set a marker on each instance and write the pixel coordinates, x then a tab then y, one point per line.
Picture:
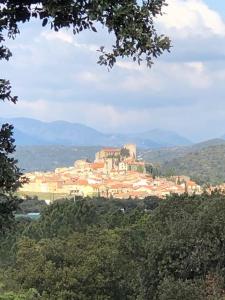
203	162
205	165
47	158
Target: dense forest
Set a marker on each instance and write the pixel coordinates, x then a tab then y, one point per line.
48	158
108	249
206	165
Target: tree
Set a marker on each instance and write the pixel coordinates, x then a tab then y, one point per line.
84	265
125	152
153	170
30	295
9	172
9	177
177	289
173	250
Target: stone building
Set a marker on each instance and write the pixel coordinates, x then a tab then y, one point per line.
132	150
106	153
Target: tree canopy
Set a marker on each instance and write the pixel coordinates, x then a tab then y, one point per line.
9	177
109	249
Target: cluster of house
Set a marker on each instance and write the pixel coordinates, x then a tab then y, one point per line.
116	172
216	188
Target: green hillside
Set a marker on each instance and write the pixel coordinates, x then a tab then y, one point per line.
206	165
164	155
160	156
47	158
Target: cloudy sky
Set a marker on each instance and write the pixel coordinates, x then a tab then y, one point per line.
56	77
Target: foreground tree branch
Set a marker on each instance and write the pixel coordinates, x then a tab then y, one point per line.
131	22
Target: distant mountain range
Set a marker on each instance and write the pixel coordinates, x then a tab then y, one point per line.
33	132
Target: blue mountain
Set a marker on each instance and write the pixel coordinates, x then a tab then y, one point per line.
34	132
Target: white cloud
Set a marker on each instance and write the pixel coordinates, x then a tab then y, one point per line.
130	66
135	83
69	38
60	35
101	116
87	76
191	18
163	76
196	66
32	109
192	74
109	118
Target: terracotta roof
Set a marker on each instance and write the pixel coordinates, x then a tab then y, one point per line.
69	182
82	182
97	165
111	149
120	185
191	183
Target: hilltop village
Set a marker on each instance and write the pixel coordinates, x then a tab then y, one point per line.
115	172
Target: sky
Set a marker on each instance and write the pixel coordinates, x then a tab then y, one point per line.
56	77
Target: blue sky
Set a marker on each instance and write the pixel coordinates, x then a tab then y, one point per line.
56	77
218	5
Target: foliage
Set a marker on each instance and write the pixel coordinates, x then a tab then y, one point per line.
152	169
205	165
29	295
178	289
131	22
9	172
8	205
82	266
48	158
64	217
202	162
110	249
5	89
31	205
77	250
9	177
125	152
